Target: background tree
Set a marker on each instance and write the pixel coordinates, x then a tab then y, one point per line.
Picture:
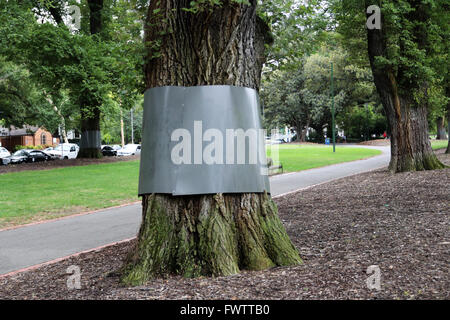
402	57
284	105
448	122
110	122
22	101
300	98
206	44
85	66
437	111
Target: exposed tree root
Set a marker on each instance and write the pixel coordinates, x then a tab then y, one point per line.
212	235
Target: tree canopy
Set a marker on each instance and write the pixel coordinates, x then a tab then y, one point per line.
70	70
54	73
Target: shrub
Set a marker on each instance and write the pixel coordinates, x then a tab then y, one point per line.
38	147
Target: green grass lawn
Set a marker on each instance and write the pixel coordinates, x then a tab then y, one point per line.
44	194
29	196
297	157
439	144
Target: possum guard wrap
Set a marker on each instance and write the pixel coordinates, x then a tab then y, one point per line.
202	140
91	139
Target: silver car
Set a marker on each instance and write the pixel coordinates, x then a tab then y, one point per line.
129	150
4	152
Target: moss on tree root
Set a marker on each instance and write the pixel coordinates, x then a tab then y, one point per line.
212	235
418	162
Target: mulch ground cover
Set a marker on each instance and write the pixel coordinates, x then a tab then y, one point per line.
61	164
397	222
376	142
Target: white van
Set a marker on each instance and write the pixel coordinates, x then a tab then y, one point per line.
4	153
129	150
65	151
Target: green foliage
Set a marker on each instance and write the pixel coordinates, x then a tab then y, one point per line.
110	124
17	94
297	28
300	98
38	147
416	36
72	71
361	122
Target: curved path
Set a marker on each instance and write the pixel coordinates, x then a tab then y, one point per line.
39	243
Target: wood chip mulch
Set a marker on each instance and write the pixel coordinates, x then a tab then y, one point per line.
376	142
399	223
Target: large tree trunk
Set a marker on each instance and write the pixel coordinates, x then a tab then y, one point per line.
440	127
447	91
305	130
303	136
302	129
448	124
410	144
300	132
206	234
90	146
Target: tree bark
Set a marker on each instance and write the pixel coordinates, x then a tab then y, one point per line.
90	112
447	91
448	124
55	9
410	144
299	129
441	134
305	130
63	124
95	16
206	234
90	147
122	135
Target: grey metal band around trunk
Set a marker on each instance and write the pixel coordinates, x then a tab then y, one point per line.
217	107
91	139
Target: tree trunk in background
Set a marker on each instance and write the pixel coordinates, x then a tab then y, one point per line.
448	124
207	234
122	135
410	144
303	135
300	132
90	146
447	91
305	130
63	124
440	127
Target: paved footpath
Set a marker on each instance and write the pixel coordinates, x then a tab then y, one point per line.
38	243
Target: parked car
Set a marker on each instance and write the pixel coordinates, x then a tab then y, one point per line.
3	154
275	141
38	155
116	147
65	151
17	157
129	150
109	151
27	155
